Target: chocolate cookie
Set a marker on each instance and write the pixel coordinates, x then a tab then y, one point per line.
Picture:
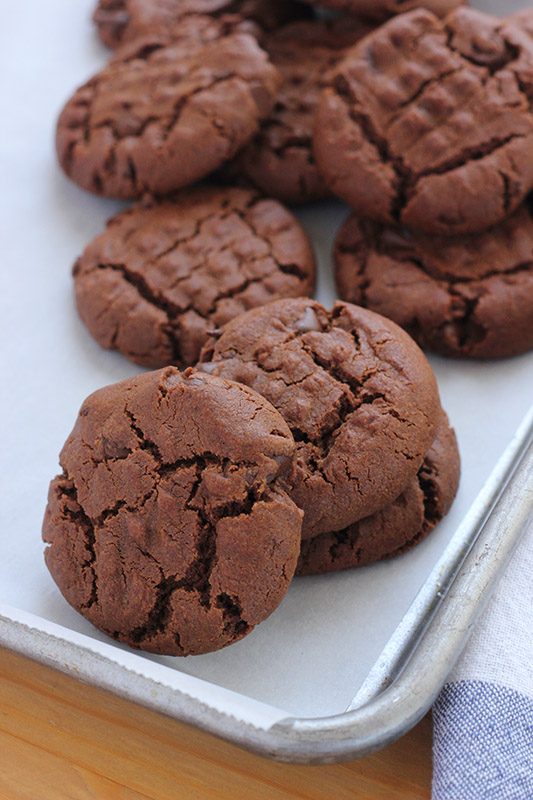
165	275
398	527
428	123
356	392
279	160
468	296
158	118
121	21
168	529
380	10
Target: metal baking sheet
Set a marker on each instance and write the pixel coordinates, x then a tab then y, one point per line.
308	683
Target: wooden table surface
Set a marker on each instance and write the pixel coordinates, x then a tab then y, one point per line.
63	740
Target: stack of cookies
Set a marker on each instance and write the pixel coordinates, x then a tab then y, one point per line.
377	463
277	437
306	441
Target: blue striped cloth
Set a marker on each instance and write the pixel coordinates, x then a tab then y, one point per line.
483	718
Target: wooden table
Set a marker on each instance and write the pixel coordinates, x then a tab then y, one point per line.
63	740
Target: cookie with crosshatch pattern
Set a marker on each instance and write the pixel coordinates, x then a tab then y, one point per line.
163	115
164	275
428	123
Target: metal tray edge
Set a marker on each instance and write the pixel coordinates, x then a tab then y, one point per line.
418	617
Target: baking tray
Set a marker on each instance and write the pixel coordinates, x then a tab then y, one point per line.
349	661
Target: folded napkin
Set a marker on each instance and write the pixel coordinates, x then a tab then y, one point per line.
483	741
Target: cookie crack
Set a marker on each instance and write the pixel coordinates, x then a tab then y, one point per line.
234	292
121	505
145	443
232	615
430	83
468	330
83	523
146	292
364	121
197	576
448	280
467	155
289	267
170	124
361	118
158	614
353	398
508	57
507	191
155	299
335	371
292	269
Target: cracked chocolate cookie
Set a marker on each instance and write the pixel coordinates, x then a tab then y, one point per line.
158	117
398	527
357	393
279	160
379	10
469	296
428	123
164	276
168	529
121	21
